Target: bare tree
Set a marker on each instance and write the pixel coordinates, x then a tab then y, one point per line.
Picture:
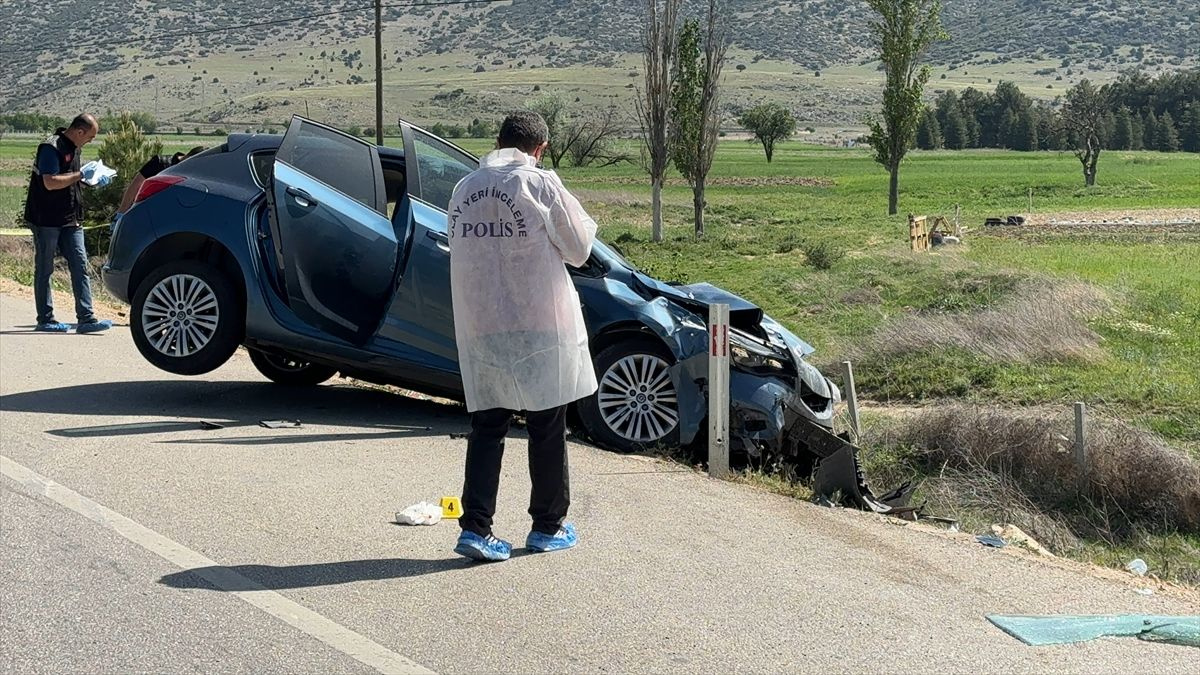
1083	114
654	103
716	42
589	139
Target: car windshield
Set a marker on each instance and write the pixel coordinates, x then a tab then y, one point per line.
611	252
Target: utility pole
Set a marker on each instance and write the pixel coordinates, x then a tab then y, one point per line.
379	72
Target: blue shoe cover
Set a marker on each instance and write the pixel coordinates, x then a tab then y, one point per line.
487	548
540	542
93	326
52	328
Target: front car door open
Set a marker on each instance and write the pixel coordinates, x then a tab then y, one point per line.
337	245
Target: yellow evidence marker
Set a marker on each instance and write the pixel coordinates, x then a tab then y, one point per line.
451	507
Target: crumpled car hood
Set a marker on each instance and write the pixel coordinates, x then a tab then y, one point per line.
742	313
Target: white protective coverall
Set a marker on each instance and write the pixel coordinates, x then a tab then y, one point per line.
522	343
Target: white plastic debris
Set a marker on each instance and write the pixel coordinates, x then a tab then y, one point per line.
1138	567
1144	591
422	513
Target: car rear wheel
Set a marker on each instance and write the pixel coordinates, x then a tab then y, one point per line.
186	318
636	406
289	370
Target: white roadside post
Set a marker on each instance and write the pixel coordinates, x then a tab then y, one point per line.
851	398
718	391
1081	458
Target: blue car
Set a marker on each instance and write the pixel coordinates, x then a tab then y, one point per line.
324	254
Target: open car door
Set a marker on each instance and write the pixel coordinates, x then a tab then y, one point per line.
337	245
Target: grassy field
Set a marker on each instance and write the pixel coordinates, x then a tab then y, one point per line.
1030	318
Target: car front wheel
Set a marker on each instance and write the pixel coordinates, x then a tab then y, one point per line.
186	318
636	406
290	370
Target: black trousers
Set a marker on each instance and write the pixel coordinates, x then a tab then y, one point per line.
551	494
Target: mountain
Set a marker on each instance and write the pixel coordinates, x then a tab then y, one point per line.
176	58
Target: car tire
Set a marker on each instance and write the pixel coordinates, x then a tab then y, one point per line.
615	417
186	318
290	371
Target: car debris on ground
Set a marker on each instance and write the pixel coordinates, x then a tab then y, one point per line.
280	424
1056	630
991	540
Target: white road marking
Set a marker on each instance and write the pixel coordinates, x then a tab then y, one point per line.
335	635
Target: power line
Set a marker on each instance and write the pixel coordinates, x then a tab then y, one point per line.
255	24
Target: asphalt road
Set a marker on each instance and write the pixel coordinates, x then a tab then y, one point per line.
132	539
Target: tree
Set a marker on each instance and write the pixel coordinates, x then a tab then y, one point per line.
124	148
929	132
903	31
654	102
955	130
1168	135
685	97
769	123
553	107
143	121
1025	133
1137	136
696	119
974	105
590	139
1083	114
1189	127
1150	130
1122	136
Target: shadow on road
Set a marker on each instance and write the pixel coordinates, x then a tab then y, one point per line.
258	577
238	404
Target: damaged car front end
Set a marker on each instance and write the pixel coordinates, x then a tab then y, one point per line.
781	406
773	388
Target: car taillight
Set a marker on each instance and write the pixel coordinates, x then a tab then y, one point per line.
153	186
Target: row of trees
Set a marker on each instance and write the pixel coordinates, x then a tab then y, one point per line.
28	122
1134	112
1168	121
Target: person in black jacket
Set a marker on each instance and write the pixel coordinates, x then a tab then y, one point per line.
54	211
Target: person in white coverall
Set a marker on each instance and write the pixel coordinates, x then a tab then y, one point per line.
522	343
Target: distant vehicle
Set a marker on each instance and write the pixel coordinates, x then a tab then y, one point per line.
325	254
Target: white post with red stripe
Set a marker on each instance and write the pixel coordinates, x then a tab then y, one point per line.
718	391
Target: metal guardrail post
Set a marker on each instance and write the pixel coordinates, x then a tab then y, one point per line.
718	391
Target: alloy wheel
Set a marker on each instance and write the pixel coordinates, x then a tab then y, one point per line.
180	315
637	398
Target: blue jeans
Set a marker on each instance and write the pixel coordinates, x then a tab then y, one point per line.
67	241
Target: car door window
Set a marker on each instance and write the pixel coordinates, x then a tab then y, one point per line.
440	166
344	164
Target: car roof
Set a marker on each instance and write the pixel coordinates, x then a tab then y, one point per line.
256	142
